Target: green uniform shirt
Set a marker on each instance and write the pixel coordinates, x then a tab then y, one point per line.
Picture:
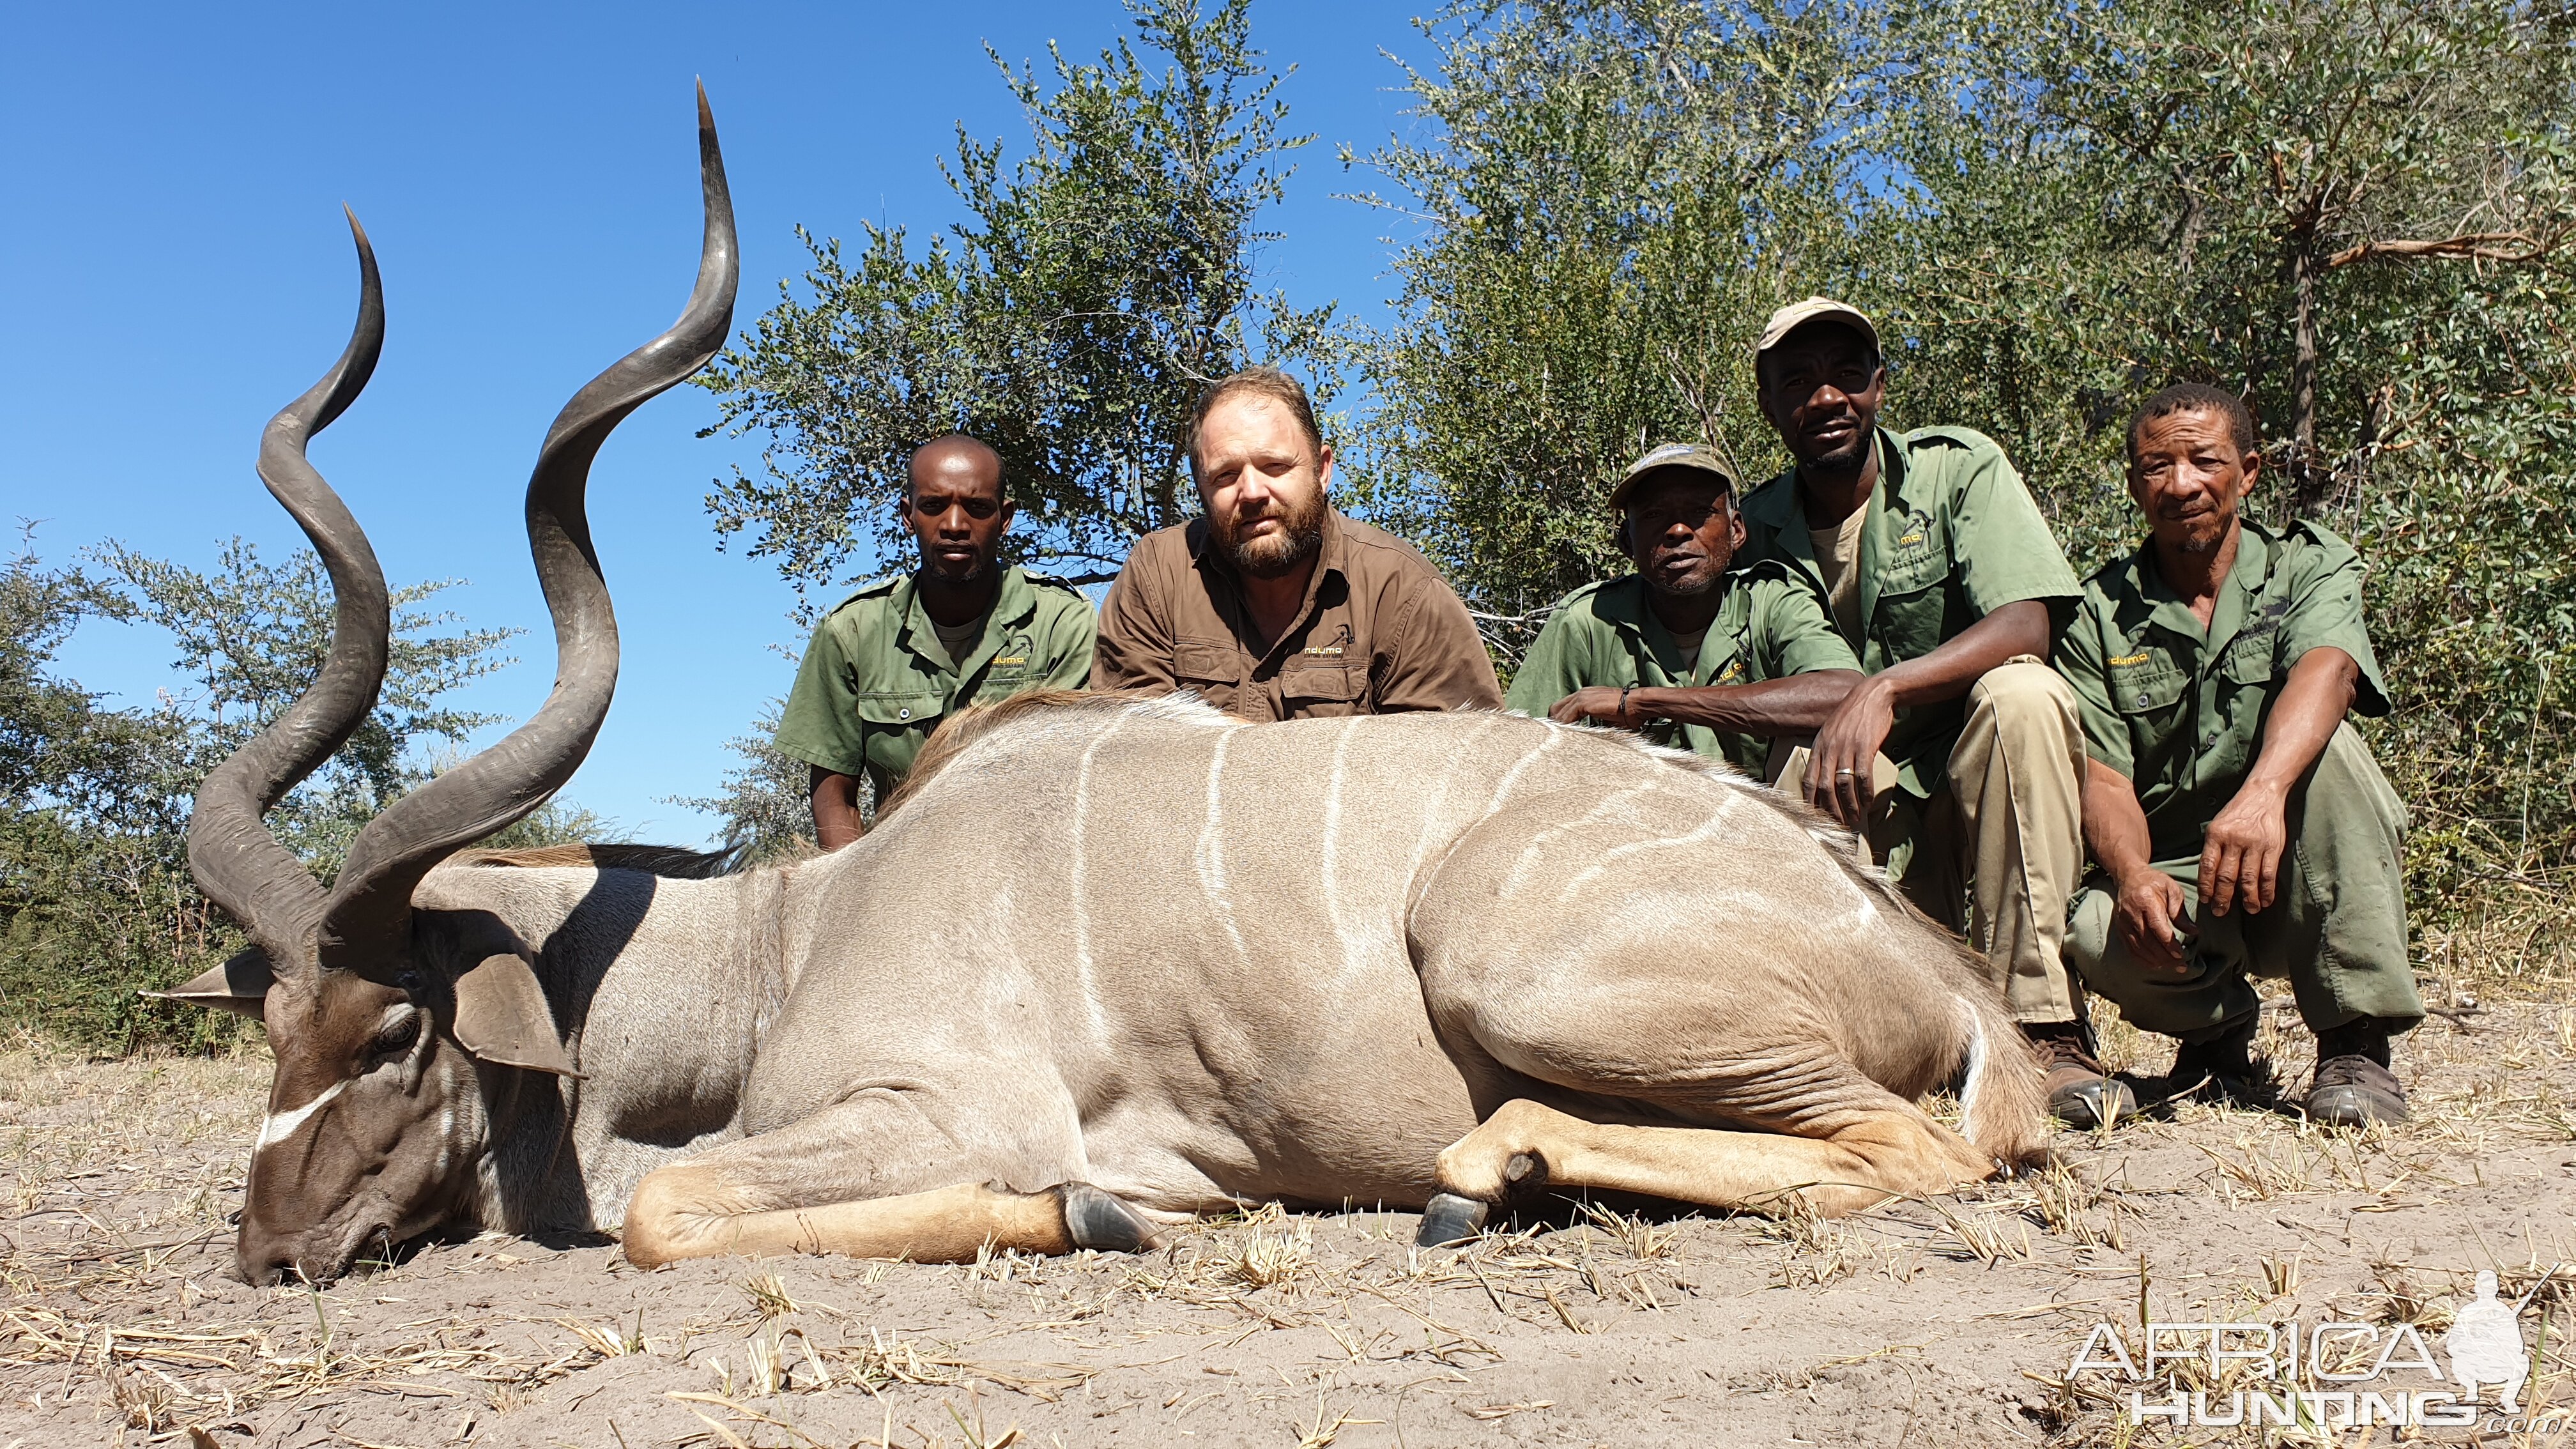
1770	625
1952	535
875	681
2179	711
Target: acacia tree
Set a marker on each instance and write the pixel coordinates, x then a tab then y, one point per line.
1100	282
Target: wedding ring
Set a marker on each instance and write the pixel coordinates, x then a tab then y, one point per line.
1842	774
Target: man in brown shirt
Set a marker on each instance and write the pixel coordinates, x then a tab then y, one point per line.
1274	606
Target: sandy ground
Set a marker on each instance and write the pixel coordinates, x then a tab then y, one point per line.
1948	1322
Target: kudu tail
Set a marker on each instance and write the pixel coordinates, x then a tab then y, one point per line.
2003	1097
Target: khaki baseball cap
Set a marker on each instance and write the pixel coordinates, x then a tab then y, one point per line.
1798	314
1672	455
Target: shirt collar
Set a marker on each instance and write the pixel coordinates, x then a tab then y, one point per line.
1779	507
1622	604
2237	598
1013	602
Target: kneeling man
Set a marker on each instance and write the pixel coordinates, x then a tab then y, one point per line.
1715	662
2240	823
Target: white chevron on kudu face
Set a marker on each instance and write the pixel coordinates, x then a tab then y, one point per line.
278	1126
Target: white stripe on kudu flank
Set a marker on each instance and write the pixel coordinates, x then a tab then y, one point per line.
1706	832
1081	880
1435	813
1603	806
1331	854
1512	777
282	1125
1209	857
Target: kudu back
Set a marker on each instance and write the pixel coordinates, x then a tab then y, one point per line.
1104	961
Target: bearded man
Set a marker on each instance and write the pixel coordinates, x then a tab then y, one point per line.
1273	605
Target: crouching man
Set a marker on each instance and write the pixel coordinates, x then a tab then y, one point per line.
2239	822
1960	757
1714	662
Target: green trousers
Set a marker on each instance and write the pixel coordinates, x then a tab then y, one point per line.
2336	928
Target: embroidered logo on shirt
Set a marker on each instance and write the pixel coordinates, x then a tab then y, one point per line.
1325	651
2128	659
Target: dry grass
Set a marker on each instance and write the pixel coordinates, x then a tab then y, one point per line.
1266	1326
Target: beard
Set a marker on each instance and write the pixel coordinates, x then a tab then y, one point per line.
946	572
2203	534
1273	555
1847	458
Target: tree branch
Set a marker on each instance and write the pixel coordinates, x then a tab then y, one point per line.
2484	246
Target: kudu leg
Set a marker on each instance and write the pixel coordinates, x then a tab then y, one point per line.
914	1173
678	1213
1525	1146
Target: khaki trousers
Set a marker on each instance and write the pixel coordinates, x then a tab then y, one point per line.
1998	850
2337	929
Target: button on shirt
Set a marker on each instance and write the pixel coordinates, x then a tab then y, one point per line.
876	680
1952	535
1379	631
1769	625
2180	710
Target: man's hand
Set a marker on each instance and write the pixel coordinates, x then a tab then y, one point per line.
2240	858
2150	905
1599	703
1841	765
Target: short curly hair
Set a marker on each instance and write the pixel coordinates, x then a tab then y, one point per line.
1268	384
2196	397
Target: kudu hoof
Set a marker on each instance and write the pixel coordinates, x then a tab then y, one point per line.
1448	1219
1103	1221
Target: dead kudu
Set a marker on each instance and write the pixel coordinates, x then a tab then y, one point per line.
1106	961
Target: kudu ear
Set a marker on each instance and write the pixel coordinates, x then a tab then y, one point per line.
502	1017
240	985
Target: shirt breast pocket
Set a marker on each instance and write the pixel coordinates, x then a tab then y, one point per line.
2143	693
1197	662
899	711
1323	687
896	726
1913	598
2249	661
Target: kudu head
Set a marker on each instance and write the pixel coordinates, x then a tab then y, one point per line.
394	1031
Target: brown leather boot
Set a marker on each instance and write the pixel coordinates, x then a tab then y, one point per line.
2080	1093
2354	1087
2224	1068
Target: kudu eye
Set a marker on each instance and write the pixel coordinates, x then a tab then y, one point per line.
398	1034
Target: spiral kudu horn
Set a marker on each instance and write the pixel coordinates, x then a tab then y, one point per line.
368	914
238	864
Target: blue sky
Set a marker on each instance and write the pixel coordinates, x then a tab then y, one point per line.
178	269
